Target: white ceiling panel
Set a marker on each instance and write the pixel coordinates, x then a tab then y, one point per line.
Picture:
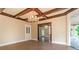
45	9
40	17
28	14
59	12
13	11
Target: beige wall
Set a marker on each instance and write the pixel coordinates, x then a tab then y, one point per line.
11	30
34	31
59	29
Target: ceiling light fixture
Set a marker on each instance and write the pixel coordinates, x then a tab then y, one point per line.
33	17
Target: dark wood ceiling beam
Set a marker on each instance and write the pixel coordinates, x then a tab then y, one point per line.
40	12
58	15
23	12
70	10
5	14
52	11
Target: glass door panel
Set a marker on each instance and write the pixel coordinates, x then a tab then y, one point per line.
45	33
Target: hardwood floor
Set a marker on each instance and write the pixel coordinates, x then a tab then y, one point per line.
35	45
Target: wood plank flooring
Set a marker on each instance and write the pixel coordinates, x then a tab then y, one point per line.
35	45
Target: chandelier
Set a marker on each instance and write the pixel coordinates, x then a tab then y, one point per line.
33	17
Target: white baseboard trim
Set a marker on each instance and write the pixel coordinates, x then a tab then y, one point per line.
4	44
59	43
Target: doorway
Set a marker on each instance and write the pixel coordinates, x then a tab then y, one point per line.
74	30
75	36
45	32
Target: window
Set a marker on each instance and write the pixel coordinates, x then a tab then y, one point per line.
27	29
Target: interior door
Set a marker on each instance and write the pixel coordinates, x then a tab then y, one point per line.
45	32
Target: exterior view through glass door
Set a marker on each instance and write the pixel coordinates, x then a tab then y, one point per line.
45	32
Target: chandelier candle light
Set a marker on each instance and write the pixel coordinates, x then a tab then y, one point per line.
33	17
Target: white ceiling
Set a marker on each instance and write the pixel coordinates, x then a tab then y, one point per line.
59	12
13	11
28	14
45	9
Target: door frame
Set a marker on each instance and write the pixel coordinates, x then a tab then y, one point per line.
42	25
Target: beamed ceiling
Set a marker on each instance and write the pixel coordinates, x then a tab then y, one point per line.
41	13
